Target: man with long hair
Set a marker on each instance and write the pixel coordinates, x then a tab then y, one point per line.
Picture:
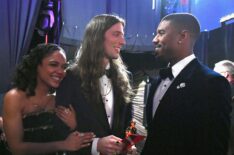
98	86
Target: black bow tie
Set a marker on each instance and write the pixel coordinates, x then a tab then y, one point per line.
108	73
166	73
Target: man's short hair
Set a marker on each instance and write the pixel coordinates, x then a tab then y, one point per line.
224	66
184	21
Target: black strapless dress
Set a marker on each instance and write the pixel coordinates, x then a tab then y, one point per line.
40	127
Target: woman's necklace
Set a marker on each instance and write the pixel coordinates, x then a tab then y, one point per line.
42	104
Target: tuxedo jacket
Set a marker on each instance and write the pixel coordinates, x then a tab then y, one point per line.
193	115
91	117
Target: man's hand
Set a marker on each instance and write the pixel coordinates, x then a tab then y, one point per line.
110	145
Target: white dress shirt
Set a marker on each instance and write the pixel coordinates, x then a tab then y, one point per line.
165	83
106	90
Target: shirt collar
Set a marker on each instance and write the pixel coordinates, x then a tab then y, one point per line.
108	66
104	75
179	66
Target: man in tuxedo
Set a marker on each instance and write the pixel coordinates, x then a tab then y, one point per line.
189	104
226	69
98	87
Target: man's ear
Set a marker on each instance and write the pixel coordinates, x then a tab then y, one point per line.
183	34
226	74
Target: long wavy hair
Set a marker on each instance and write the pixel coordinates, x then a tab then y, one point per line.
25	77
90	61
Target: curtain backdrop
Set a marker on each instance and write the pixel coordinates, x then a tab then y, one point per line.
17	21
201	47
220	44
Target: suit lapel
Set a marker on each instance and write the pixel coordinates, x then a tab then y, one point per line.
149	105
180	83
99	113
184	76
96	109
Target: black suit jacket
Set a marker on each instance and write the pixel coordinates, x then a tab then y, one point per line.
193	115
91	117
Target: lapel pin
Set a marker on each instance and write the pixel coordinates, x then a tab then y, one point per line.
181	85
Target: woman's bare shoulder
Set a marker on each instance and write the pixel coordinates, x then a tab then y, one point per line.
14	96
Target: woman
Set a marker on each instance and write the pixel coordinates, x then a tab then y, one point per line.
29	108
